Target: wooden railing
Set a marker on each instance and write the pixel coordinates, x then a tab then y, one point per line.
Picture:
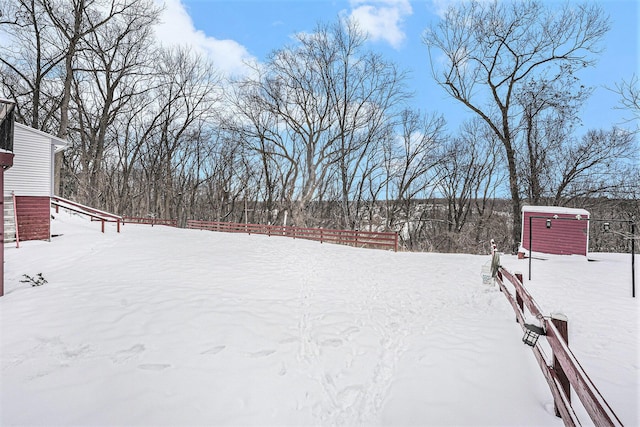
149	221
564	371
94	214
369	239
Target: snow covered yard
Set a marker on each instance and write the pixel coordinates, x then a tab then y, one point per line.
163	326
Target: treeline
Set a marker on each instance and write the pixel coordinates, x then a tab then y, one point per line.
321	133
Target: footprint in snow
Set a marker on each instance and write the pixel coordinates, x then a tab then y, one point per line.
214	350
333	342
154	366
129	353
262	353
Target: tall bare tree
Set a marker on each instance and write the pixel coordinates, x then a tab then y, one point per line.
549	116
329	98
111	71
30	62
365	91
409	161
482	52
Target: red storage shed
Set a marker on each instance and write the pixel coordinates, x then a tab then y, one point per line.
555	230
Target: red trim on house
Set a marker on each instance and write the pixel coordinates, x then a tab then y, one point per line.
6	161
33	217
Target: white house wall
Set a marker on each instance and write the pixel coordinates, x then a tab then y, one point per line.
31	171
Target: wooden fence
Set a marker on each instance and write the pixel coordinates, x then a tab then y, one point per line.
564	372
94	214
149	221
368	239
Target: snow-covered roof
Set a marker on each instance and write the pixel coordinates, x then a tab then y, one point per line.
58	143
555	210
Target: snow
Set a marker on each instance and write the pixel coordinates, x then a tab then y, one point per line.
167	326
555	210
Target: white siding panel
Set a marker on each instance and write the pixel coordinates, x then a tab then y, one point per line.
30	174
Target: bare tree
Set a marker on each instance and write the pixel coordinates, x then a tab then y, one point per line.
489	49
409	160
111	71
258	130
327	99
549	116
175	116
629	91
74	21
470	173
365	91
30	62
595	165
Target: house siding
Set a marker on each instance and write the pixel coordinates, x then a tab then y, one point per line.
33	217
31	171
567	235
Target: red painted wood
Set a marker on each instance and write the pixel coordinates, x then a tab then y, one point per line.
563	327
596	406
6	161
2	230
150	221
518	296
345	237
94	214
562	403
15	215
567	235
33	214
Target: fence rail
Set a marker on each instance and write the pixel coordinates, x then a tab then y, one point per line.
565	371
369	239
149	221
94	214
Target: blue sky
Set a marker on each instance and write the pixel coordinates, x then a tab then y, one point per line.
231	31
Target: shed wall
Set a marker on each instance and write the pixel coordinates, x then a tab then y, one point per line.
565	237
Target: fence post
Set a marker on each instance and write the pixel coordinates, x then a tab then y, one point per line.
518	296
118	225
103	225
561	323
321	235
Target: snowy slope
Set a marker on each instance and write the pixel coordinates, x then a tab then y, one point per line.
163	326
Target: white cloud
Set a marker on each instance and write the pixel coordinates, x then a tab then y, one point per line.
382	19
176	29
440	7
